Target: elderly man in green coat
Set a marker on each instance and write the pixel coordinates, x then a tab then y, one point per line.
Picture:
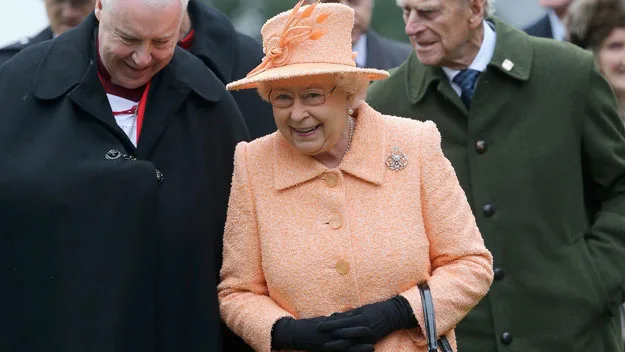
532	130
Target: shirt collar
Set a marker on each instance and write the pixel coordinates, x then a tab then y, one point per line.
484	55
557	26
361	48
364	160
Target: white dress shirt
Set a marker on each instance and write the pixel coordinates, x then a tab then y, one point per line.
127	122
558	29
481	61
361	48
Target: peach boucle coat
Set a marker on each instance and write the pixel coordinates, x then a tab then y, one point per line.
303	240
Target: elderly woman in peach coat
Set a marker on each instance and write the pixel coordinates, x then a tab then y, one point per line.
335	219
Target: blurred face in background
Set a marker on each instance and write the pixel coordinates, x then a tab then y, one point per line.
363	10
137	39
611	60
64	15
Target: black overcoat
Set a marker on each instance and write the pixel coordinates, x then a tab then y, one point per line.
231	55
97	253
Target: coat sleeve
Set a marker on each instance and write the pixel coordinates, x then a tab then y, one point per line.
461	271
603	157
244	300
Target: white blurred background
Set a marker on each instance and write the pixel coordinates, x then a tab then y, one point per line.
20	18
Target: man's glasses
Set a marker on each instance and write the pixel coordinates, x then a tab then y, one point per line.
309	97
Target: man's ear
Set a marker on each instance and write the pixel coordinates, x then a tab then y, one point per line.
98	9
478	12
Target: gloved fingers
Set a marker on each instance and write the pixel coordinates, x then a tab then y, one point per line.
352	333
341	322
361	348
337	345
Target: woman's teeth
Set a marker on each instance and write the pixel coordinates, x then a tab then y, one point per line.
308	130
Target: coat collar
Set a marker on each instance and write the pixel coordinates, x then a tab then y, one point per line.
214	40
76	50
364	160
512	46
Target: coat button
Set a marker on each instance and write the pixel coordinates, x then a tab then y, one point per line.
113	154
159	177
342	267
331	179
506	338
499	274
481	146
335	222
489	210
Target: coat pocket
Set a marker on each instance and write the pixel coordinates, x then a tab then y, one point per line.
598	287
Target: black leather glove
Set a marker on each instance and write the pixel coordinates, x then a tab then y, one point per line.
382	318
304	334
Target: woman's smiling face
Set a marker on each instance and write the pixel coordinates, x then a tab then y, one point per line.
311	114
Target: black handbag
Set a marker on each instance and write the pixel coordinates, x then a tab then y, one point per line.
430	324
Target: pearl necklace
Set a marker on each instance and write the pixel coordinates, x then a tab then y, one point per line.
352	128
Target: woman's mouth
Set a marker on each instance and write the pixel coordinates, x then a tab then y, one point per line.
305	132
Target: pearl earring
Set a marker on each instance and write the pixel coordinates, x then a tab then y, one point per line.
350	111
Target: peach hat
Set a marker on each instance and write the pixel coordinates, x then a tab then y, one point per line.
305	41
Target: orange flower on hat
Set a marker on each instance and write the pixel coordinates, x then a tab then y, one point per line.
277	51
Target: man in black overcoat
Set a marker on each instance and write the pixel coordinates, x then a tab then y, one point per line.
116	151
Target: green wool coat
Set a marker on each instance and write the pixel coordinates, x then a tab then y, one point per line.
541	157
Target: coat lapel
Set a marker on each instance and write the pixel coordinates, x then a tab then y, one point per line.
165	98
184	78
511	61
89	95
76	51
422	78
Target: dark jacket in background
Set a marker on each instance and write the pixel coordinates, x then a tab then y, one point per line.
95	254
10	50
231	55
384	53
540	28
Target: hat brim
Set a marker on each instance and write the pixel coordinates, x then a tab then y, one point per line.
303	70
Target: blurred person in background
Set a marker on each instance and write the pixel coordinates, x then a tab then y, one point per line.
532	129
209	35
599	26
116	151
63	15
551	25
373	49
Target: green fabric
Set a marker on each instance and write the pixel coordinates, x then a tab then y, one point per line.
554	171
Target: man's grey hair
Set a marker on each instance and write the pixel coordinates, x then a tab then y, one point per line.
489	9
184	3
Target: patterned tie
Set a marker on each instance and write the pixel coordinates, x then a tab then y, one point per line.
466	79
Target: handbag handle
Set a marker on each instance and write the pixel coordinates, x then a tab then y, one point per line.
430	322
